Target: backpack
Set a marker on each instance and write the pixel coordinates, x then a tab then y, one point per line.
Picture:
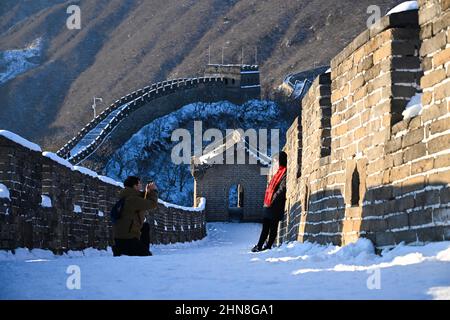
116	210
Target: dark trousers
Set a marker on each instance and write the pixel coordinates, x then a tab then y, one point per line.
134	247
270	228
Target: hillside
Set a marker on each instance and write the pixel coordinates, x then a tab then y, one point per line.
124	45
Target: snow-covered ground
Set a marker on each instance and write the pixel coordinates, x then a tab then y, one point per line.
221	266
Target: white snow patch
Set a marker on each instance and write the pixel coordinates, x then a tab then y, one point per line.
46	202
440	293
4	192
111	181
444	255
77	208
85	171
414	107
201	205
40	255
19	140
405	6
16	61
57	159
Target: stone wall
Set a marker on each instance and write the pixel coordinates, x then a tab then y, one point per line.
24	222
214	184
365	171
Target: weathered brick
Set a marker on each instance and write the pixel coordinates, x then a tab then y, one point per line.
433	78
397	221
414	152
438	144
442	161
413	184
427	14
442	22
434	44
442	91
399	173
418	218
422	166
413	137
382	53
433	112
439	178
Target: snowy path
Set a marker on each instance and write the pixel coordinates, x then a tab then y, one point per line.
221	267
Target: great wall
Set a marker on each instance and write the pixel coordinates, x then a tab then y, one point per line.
125	116
356	168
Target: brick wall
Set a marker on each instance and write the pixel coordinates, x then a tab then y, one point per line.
381	177
25	223
214	183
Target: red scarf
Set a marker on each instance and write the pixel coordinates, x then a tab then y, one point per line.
276	179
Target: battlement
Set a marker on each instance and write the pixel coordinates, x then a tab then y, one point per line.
241	76
358	165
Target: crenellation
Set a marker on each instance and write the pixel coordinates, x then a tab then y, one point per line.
25	223
387	174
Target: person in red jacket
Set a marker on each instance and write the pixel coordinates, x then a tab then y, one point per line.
274	201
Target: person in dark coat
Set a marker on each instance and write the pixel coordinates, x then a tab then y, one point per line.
131	233
274	201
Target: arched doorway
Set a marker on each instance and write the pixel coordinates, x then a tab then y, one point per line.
236	203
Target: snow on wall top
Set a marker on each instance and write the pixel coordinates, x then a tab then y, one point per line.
201	206
4	192
19	140
230	140
404	6
111	181
57	159
86	171
34	147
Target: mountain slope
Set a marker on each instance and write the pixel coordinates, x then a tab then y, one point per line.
124	45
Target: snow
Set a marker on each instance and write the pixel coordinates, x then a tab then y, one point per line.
221	266
32	146
19	140
57	159
77	208
229	141
4	192
404	6
148	152
46	201
17	62
86	171
111	181
414	107
199	208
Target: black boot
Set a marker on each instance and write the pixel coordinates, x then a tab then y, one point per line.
256	249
